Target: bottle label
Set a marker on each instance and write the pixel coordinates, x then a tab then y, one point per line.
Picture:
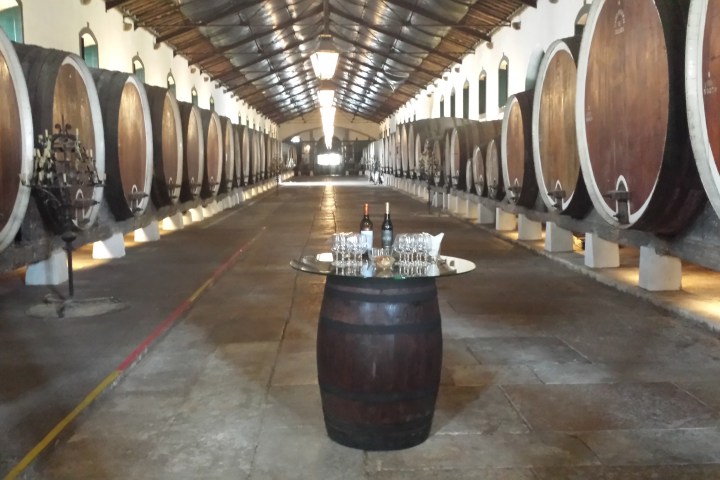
386	238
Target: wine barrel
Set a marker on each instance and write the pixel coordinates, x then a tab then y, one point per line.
411	148
418	153
404	159
128	142
228	155
167	146
246	155
493	170
478	163
557	165
237	180
255	154
702	67
518	167
16	143
62	92
631	119
212	130
263	155
193	150
379	357
463	141
469	177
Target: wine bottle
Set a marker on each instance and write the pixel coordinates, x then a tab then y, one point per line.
366	227
386	233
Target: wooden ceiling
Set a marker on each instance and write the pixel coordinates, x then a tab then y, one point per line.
259	50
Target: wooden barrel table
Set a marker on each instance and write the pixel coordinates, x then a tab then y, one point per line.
379	353
631	116
194	152
557	165
128	142
702	67
62	92
518	169
16	143
212	132
167	146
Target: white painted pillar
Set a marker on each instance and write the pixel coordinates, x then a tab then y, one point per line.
600	253
150	233
557	239
659	273
173	222
209	210
472	212
504	221
485	214
113	247
52	271
529	229
196	214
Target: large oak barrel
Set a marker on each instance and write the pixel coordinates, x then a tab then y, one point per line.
478	167
255	156
493	170
557	165
463	141
379	356
16	143
263	166
237	180
246	155
702	67
228	155
193	150
128	142
631	119
518	167
212	130
62	92
404	158
411	149
167	146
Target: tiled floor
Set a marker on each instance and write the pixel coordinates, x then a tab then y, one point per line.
547	374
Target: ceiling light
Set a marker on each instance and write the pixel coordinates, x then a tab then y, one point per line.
325	58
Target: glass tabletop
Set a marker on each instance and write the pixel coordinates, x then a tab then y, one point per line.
321	264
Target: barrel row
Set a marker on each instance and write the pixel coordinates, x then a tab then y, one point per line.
624	118
146	146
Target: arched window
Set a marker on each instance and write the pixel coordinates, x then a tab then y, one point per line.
212	104
482	93
503	77
581	19
89	48
452	102
11	19
138	68
466	99
194	96
171	83
442	106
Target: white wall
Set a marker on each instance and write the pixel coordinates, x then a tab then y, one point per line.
539	27
57	24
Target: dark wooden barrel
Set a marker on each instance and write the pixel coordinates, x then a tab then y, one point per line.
493	170
193	152
247	155
631	119
404	150
463	141
255	156
237	180
16	143
263	160
128	142
478	163
418	151
557	165
379	356
62	90
228	155
516	150
212	131
702	67
167	146
412	160
438	145
469	176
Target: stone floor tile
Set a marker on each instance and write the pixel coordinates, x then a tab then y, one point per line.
482	375
454	474
664	472
523	350
296	369
293	406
